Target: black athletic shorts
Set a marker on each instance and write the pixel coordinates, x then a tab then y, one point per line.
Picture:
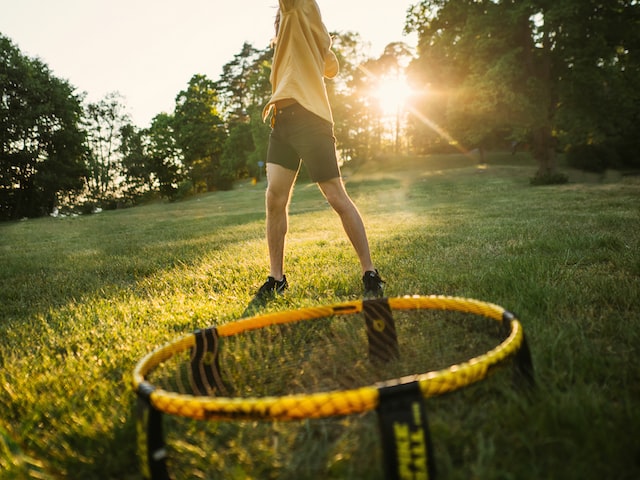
297	134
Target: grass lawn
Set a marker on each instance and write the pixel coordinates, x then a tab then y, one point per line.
83	299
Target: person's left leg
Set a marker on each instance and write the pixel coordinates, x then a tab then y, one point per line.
352	223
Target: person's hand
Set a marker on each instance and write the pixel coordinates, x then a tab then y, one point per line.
331	65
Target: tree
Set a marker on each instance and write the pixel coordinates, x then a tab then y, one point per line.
473	62
524	69
235	153
354	121
136	164
41	143
165	156
104	122
151	160
595	49
236	81
245	88
388	78
200	132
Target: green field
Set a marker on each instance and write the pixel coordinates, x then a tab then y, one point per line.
83	298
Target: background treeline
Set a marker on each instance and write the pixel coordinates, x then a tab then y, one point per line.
547	75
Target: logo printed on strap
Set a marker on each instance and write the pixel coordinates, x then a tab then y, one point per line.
381	330
406	442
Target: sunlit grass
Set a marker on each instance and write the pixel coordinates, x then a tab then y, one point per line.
82	299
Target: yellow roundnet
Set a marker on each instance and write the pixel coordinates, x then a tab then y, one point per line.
334	403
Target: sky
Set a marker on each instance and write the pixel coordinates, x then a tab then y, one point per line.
148	50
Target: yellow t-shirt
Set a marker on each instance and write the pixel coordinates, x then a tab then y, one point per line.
302	59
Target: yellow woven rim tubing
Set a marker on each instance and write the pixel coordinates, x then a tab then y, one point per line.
333	403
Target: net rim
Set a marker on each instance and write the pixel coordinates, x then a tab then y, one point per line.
336	402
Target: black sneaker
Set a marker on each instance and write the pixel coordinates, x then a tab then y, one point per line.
266	292
373	284
272	287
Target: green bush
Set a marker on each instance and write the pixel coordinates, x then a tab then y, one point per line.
629	153
184	190
549	179
592	158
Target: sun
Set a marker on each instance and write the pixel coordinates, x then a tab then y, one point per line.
391	93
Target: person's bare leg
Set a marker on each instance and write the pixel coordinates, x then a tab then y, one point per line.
279	186
352	223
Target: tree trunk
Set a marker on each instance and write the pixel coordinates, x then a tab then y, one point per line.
543	144
543	151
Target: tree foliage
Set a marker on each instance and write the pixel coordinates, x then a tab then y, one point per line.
165	155
542	71
555	75
244	88
152	161
355	122
200	132
41	142
104	122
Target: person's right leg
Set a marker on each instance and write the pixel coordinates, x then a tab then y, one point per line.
352	223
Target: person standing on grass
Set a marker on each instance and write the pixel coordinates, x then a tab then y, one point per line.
302	130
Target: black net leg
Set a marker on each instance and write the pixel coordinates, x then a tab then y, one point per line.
152	450
406	439
381	331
